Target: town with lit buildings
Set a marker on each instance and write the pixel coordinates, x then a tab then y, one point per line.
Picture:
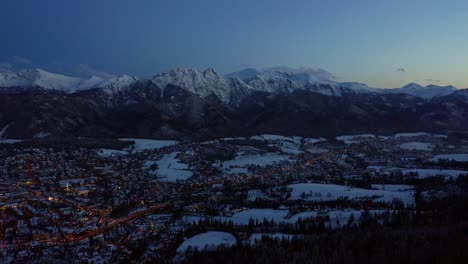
152	200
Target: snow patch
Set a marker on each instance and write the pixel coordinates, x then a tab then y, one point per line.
171	169
327	192
422	146
243	161
148	144
10	141
351	139
453	157
208	241
421	173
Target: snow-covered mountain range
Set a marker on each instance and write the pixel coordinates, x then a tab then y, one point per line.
288	80
32	78
202	83
230	88
426	92
201	104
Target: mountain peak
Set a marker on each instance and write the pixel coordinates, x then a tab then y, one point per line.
207	82
36	77
426	92
441	87
286	80
201	83
210	70
245	74
412	86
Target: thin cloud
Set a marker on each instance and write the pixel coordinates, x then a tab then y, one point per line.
17	63
319	73
79	70
21	61
428	81
6	65
433	81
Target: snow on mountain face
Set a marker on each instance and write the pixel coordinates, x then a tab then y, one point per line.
47	80
51	81
233	88
287	80
110	85
116	84
39	78
411	86
5	70
359	87
239	89
13	79
426	92
271	81
201	83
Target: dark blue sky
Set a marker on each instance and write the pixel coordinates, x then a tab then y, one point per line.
382	43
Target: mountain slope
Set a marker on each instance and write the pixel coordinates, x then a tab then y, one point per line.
37	78
139	110
288	80
426	92
229	89
201	83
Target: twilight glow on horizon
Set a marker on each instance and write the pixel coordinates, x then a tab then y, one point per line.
380	43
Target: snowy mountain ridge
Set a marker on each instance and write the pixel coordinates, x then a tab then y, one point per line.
51	81
229	88
426	92
198	82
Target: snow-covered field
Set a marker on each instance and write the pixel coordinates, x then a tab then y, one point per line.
233	138
336	217
242	218
270	137
171	169
259	160
139	145
416	134
350	139
454	157
252	195
424	146
9	141
146	144
239	163
393	187
208	241
284	142
422	173
290	145
327	192
314	140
